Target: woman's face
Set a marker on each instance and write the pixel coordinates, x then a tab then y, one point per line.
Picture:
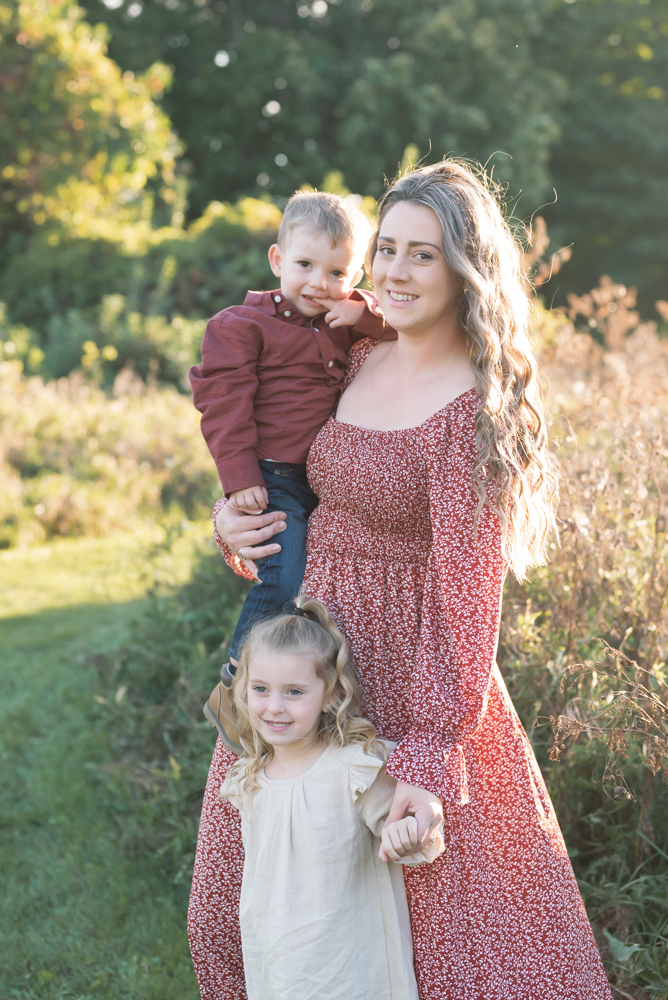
416	289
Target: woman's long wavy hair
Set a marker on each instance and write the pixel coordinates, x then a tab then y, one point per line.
316	635
514	472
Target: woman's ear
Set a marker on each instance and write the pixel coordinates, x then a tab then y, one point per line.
275	259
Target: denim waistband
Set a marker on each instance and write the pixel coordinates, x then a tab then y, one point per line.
287	469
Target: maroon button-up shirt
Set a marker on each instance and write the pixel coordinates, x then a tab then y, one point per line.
270	379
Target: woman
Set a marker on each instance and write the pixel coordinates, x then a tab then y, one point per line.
433	478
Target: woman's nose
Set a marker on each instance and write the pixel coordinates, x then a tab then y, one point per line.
397	270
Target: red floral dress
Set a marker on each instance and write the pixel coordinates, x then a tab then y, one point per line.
393	553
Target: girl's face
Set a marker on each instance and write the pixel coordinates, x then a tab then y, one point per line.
416	289
286	698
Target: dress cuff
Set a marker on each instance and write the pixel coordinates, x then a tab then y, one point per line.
425	759
230	557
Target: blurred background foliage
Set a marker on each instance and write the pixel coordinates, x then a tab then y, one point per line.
146	144
147	148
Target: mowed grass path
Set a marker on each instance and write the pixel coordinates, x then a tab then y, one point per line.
77	918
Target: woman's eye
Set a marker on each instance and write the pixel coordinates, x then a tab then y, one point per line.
423	255
385	251
294	691
259	689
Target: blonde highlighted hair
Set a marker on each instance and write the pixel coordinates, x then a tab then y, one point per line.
313	633
514	472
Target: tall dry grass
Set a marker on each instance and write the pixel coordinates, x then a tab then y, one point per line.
584	645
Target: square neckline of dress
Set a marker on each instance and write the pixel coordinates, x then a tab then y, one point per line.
397	430
402	430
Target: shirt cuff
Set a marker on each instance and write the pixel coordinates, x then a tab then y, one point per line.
426	760
372	322
240	473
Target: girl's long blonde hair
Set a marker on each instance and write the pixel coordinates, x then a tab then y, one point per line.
514	472
314	634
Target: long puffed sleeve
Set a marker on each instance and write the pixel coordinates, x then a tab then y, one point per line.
460	613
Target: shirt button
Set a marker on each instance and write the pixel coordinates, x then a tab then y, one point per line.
287	313
277	298
330	364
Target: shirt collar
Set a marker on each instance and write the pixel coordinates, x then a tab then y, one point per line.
275	304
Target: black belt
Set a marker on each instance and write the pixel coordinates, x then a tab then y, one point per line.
284	468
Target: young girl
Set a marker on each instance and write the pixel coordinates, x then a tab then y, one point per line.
323	915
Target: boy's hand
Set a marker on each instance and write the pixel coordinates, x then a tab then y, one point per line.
398	839
343	312
252	500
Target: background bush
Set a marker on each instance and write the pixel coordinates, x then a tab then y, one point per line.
75	462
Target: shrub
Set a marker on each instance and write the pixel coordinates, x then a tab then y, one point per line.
75	462
606	584
151	709
216	260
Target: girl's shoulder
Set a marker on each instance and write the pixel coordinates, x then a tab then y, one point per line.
230	790
363	766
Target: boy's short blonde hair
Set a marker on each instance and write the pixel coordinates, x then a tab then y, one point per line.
330	214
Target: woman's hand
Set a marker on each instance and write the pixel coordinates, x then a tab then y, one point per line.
245	533
409	800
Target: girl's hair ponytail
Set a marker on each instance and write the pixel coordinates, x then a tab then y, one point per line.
305	628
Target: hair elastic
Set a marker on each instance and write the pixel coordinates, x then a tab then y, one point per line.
293	609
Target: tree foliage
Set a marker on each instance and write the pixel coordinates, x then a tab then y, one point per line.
346	86
79	139
572	90
609	166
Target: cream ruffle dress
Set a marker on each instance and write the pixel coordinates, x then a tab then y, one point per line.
322	918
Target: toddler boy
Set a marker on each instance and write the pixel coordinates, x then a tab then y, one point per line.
272	373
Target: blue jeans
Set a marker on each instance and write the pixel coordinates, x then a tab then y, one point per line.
282	573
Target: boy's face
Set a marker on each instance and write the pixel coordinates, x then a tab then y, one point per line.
312	270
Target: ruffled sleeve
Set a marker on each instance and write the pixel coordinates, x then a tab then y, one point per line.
460	614
370	788
372	792
230	791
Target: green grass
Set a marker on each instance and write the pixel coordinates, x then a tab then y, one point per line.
78	917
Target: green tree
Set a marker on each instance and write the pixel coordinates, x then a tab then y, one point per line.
79	140
609	166
273	94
